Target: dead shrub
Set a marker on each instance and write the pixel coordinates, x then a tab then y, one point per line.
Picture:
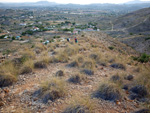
80	105
51	90
59	73
108	92
88	64
76	109
73	64
27	67
71	50
87	72
8	74
118	66
138	92
40	64
77	78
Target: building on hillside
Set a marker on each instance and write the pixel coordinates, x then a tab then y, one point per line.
46	42
75	32
5	37
18	37
22	24
35	29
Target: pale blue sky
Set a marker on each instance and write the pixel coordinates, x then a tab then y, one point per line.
74	1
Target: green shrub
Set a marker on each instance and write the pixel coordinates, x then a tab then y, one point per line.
143	58
111	47
131	33
147	38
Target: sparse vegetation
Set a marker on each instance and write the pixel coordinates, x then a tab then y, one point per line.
138	92
77	78
8	74
111	47
143	58
108	92
88	64
27	67
59	73
118	66
87	72
53	89
42	71
40	64
80	105
73	64
147	38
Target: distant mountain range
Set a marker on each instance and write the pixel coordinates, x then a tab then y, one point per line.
47	3
137	2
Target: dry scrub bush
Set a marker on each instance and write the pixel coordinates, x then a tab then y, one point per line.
77	78
62	57
27	67
42	61
27	53
77	60
71	50
118	79
40	46
53	89
51	47
108	91
144	78
60	73
64	54
44	57
8	74
89	64
40	64
18	109
80	105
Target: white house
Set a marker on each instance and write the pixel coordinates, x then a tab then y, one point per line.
23	24
35	29
5	37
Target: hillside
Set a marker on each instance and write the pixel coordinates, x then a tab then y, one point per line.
133	29
133	20
139	43
95	75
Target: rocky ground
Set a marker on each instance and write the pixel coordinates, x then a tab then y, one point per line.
19	98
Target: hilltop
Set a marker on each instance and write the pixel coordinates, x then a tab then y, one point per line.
95	75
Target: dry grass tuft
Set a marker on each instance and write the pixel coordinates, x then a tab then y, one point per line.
8	74
80	105
71	50
89	64
40	46
79	58
40	64
60	73
144	79
53	89
77	78
27	67
27	53
108	91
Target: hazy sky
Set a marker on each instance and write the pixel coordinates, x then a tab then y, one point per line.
74	1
